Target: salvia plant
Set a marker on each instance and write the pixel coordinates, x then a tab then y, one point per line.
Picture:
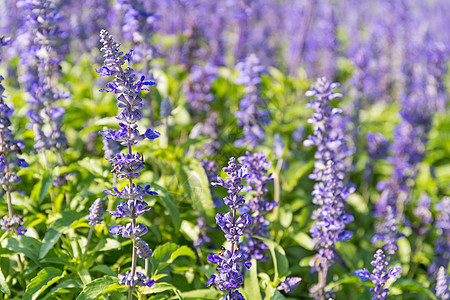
127	165
330	190
347	198
231	262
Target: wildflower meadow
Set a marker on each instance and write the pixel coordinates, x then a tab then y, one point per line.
224	150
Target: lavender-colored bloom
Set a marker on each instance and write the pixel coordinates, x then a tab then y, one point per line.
290	284
442	288
278	145
250	116
423	213
230	277
387	231
442	244
127	165
198	88
377	145
257	206
42	64
135	281
138	27
329	191
95	212
380	275
13	224
298	135
203	237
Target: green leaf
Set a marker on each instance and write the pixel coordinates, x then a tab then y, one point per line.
104	269
158	288
96	288
55	231
251	285
3	285
41	188
280	262
26	245
196	185
410	285
167	253
208	294
45	278
63	287
170	205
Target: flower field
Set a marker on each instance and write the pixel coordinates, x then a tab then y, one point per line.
237	149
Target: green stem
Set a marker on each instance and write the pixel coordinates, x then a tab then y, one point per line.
276	188
91	230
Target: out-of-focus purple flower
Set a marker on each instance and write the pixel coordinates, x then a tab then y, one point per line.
166	107
377	145
423	213
138	27
442	289
278	145
442	244
13	224
387	232
289	285
230	262
250	116
257	206
42	63
95	212
298	135
198	88
380	275
203	237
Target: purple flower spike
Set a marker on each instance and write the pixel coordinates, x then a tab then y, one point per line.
442	288
128	165
231	262
96	212
380	275
290	284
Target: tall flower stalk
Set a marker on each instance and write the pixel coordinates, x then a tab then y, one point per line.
42	66
127	165
231	262
330	190
9	149
94	217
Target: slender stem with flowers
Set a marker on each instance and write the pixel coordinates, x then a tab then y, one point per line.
127	165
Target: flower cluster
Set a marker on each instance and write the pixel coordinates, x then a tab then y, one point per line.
290	284
424	214
377	145
380	275
138	27
127	165
442	288
258	206
95	212
198	87
9	148
329	191
230	262
42	65
442	246
250	116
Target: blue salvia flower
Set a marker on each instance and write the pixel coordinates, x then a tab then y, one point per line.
127	165
442	246
442	282
42	64
380	275
250	116
9	148
289	285
257	206
95	212
330	190
377	145
231	262
138	27
387	231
